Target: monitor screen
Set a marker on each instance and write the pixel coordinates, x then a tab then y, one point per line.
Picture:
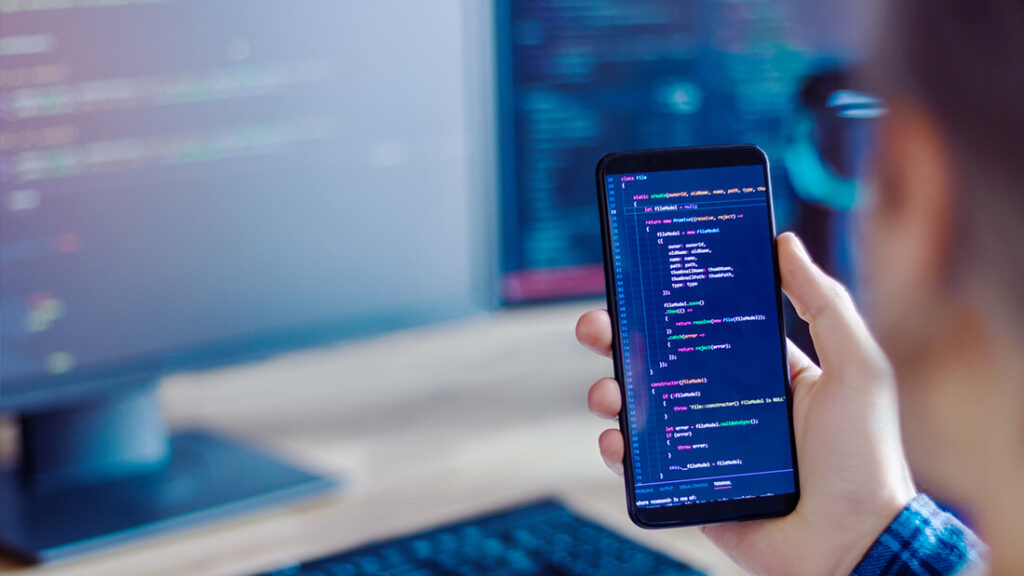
189	181
583	78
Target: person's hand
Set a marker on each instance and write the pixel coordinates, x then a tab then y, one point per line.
853	475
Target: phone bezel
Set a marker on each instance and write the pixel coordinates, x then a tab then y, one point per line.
672	159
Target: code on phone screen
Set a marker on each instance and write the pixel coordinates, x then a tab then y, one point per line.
700	334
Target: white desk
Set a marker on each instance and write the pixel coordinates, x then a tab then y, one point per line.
425	426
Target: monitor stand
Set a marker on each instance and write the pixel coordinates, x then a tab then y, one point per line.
98	474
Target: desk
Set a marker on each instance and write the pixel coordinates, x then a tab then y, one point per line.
425	426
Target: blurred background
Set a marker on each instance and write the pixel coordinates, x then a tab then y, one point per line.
194	184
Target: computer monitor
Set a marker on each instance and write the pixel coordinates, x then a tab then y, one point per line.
192	183
579	79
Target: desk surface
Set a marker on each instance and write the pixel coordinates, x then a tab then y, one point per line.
425	426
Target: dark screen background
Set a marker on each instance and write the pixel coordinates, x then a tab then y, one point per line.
584	78
698	313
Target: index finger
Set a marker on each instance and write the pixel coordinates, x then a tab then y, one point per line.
594	330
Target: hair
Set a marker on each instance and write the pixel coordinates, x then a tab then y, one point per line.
963	61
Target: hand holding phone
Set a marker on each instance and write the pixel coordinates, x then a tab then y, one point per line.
853	472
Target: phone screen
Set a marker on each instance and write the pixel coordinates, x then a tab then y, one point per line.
700	338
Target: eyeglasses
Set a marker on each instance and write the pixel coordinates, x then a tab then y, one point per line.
831	139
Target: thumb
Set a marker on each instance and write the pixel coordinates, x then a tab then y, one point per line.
840	336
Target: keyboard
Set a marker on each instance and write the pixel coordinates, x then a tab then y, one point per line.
540	539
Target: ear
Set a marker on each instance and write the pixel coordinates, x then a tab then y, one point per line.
917	184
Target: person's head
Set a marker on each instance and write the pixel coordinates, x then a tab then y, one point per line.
943	240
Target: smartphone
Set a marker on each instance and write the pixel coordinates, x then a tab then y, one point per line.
699	342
